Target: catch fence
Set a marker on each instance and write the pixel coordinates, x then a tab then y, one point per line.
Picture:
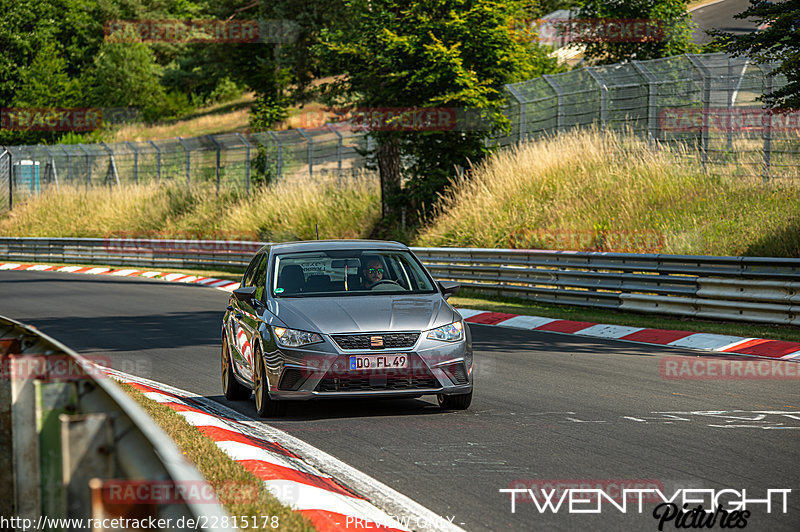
707	103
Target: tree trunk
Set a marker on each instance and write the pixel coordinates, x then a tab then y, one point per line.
389	169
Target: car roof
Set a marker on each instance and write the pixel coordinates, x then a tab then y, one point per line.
325	245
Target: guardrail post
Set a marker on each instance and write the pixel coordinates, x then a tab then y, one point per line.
310	151
135	162
88	164
247	147
158	161
188	160
280	152
523	133
559	102
216	145
338	148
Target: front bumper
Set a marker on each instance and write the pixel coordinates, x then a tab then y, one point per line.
322	371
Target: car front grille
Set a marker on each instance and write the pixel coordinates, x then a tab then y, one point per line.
376	341
340	379
371	384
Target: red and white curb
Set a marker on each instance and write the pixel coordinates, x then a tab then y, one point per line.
718	343
292	470
221	284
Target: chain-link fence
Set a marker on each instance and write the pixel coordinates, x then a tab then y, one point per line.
5	181
708	102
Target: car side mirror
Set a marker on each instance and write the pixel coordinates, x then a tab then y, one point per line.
449	288
245	293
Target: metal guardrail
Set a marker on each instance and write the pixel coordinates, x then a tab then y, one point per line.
758	289
69	433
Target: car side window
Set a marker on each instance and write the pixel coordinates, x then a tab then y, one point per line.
261	278
249	275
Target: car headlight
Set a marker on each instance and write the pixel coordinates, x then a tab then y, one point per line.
452	332
295	338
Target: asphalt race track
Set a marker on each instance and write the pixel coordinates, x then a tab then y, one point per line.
549	407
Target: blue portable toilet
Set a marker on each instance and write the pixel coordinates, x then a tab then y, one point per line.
26	175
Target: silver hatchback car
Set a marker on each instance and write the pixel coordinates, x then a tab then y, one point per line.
346	318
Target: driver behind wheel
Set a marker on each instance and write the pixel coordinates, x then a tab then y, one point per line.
372	273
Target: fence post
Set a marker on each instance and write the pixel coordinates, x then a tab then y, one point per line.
767	131
559	102
280	152
310	151
112	165
338	148
652	100
52	164
216	145
246	162
158	161
88	164
69	162
10	180
188	160
523	122
603	96
135	162
706	75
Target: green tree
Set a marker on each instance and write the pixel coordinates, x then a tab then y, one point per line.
778	42
428	54
674	38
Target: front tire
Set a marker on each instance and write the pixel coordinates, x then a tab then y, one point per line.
454	402
265	406
232	389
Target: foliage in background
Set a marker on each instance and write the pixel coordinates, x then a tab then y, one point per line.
778	42
586	191
428	54
675	21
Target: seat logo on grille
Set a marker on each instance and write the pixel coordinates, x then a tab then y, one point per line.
376	341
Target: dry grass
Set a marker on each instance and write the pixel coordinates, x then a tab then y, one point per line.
288	210
239	491
582	191
228	117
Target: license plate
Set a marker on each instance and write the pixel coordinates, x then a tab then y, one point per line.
378	361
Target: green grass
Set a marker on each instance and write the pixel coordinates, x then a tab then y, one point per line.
581	191
239	491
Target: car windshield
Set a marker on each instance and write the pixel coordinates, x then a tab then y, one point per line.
348	272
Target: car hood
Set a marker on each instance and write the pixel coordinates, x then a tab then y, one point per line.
331	315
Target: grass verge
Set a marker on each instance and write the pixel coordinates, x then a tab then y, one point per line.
611	192
239	491
468	299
